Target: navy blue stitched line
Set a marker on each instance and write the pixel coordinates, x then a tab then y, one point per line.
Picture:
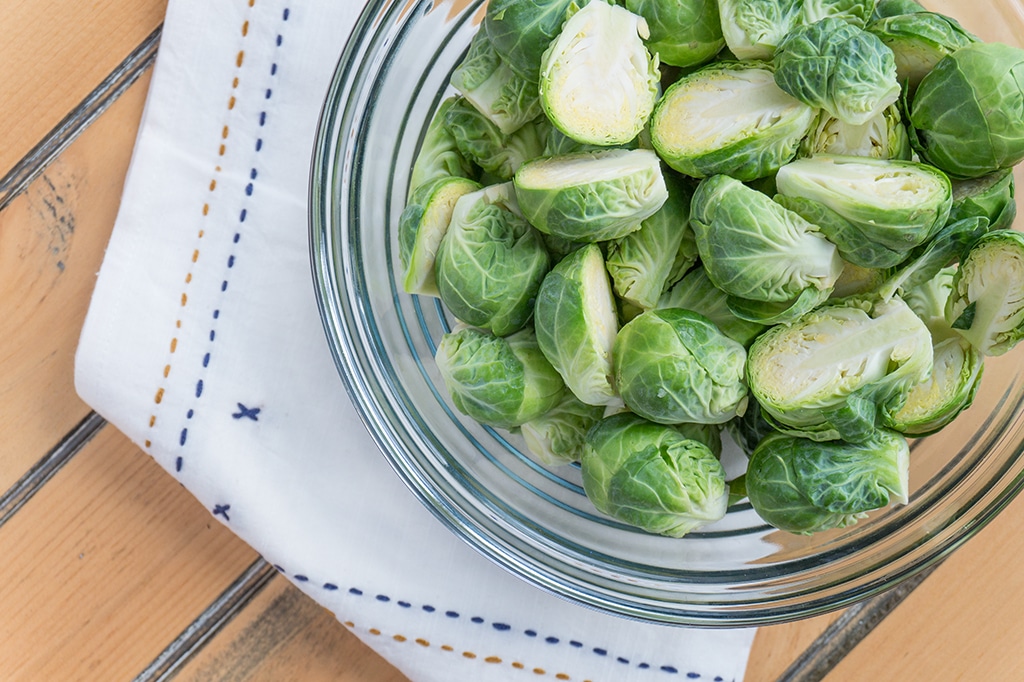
222	509
502	627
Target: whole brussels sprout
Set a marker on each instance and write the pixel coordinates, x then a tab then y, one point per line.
591	196
696	292
802	486
754	28
754	249
986	304
421	228
965	116
836	372
502	382
556	437
641	262
883	137
729	118
683	32
439	155
482	142
918	41
990	196
491	262
891	8
521	31
505	98
854	12
840	68
598	82
652	477
674	366
576	324
892	203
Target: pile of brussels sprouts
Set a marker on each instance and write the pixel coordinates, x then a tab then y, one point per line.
658	220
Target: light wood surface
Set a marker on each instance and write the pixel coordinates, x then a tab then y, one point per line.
111	560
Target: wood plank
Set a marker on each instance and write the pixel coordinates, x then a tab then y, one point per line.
52	239
59	53
962	623
105	566
285	635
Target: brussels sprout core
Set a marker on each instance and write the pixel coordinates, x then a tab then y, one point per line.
598	82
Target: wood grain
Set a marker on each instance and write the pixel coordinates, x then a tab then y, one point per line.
285	635
60	51
105	566
52	239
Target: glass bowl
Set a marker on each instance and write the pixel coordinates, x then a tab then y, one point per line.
533	520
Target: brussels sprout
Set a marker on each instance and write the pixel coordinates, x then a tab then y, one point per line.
965	116
897	204
891	8
749	428
990	196
935	402
918	41
696	292
837	371
480	141
674	366
421	228
652	477
854	12
928	301
502	382
838	67
556	437
591	196
491	262
754	249
754	28
856	280
986	304
804	487
521	31
507	99
730	118
883	137
439	155
576	324
598	82
683	32
641	262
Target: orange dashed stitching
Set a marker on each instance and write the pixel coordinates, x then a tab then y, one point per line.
468	654
492	659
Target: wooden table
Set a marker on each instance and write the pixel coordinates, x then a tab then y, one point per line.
109	570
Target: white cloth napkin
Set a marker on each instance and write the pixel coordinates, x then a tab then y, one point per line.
204	345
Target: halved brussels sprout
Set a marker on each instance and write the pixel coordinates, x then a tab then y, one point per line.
439	155
683	32
501	382
576	324
421	228
897	204
754	249
986	305
837	371
598	82
696	292
556	437
641	262
652	477
729	118
754	28
802	486
507	99
965	117
918	41
883	137
990	196
491	262
480	141
674	366
591	196
840	68
522	30
949	390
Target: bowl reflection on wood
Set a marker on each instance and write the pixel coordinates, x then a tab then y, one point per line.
534	520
